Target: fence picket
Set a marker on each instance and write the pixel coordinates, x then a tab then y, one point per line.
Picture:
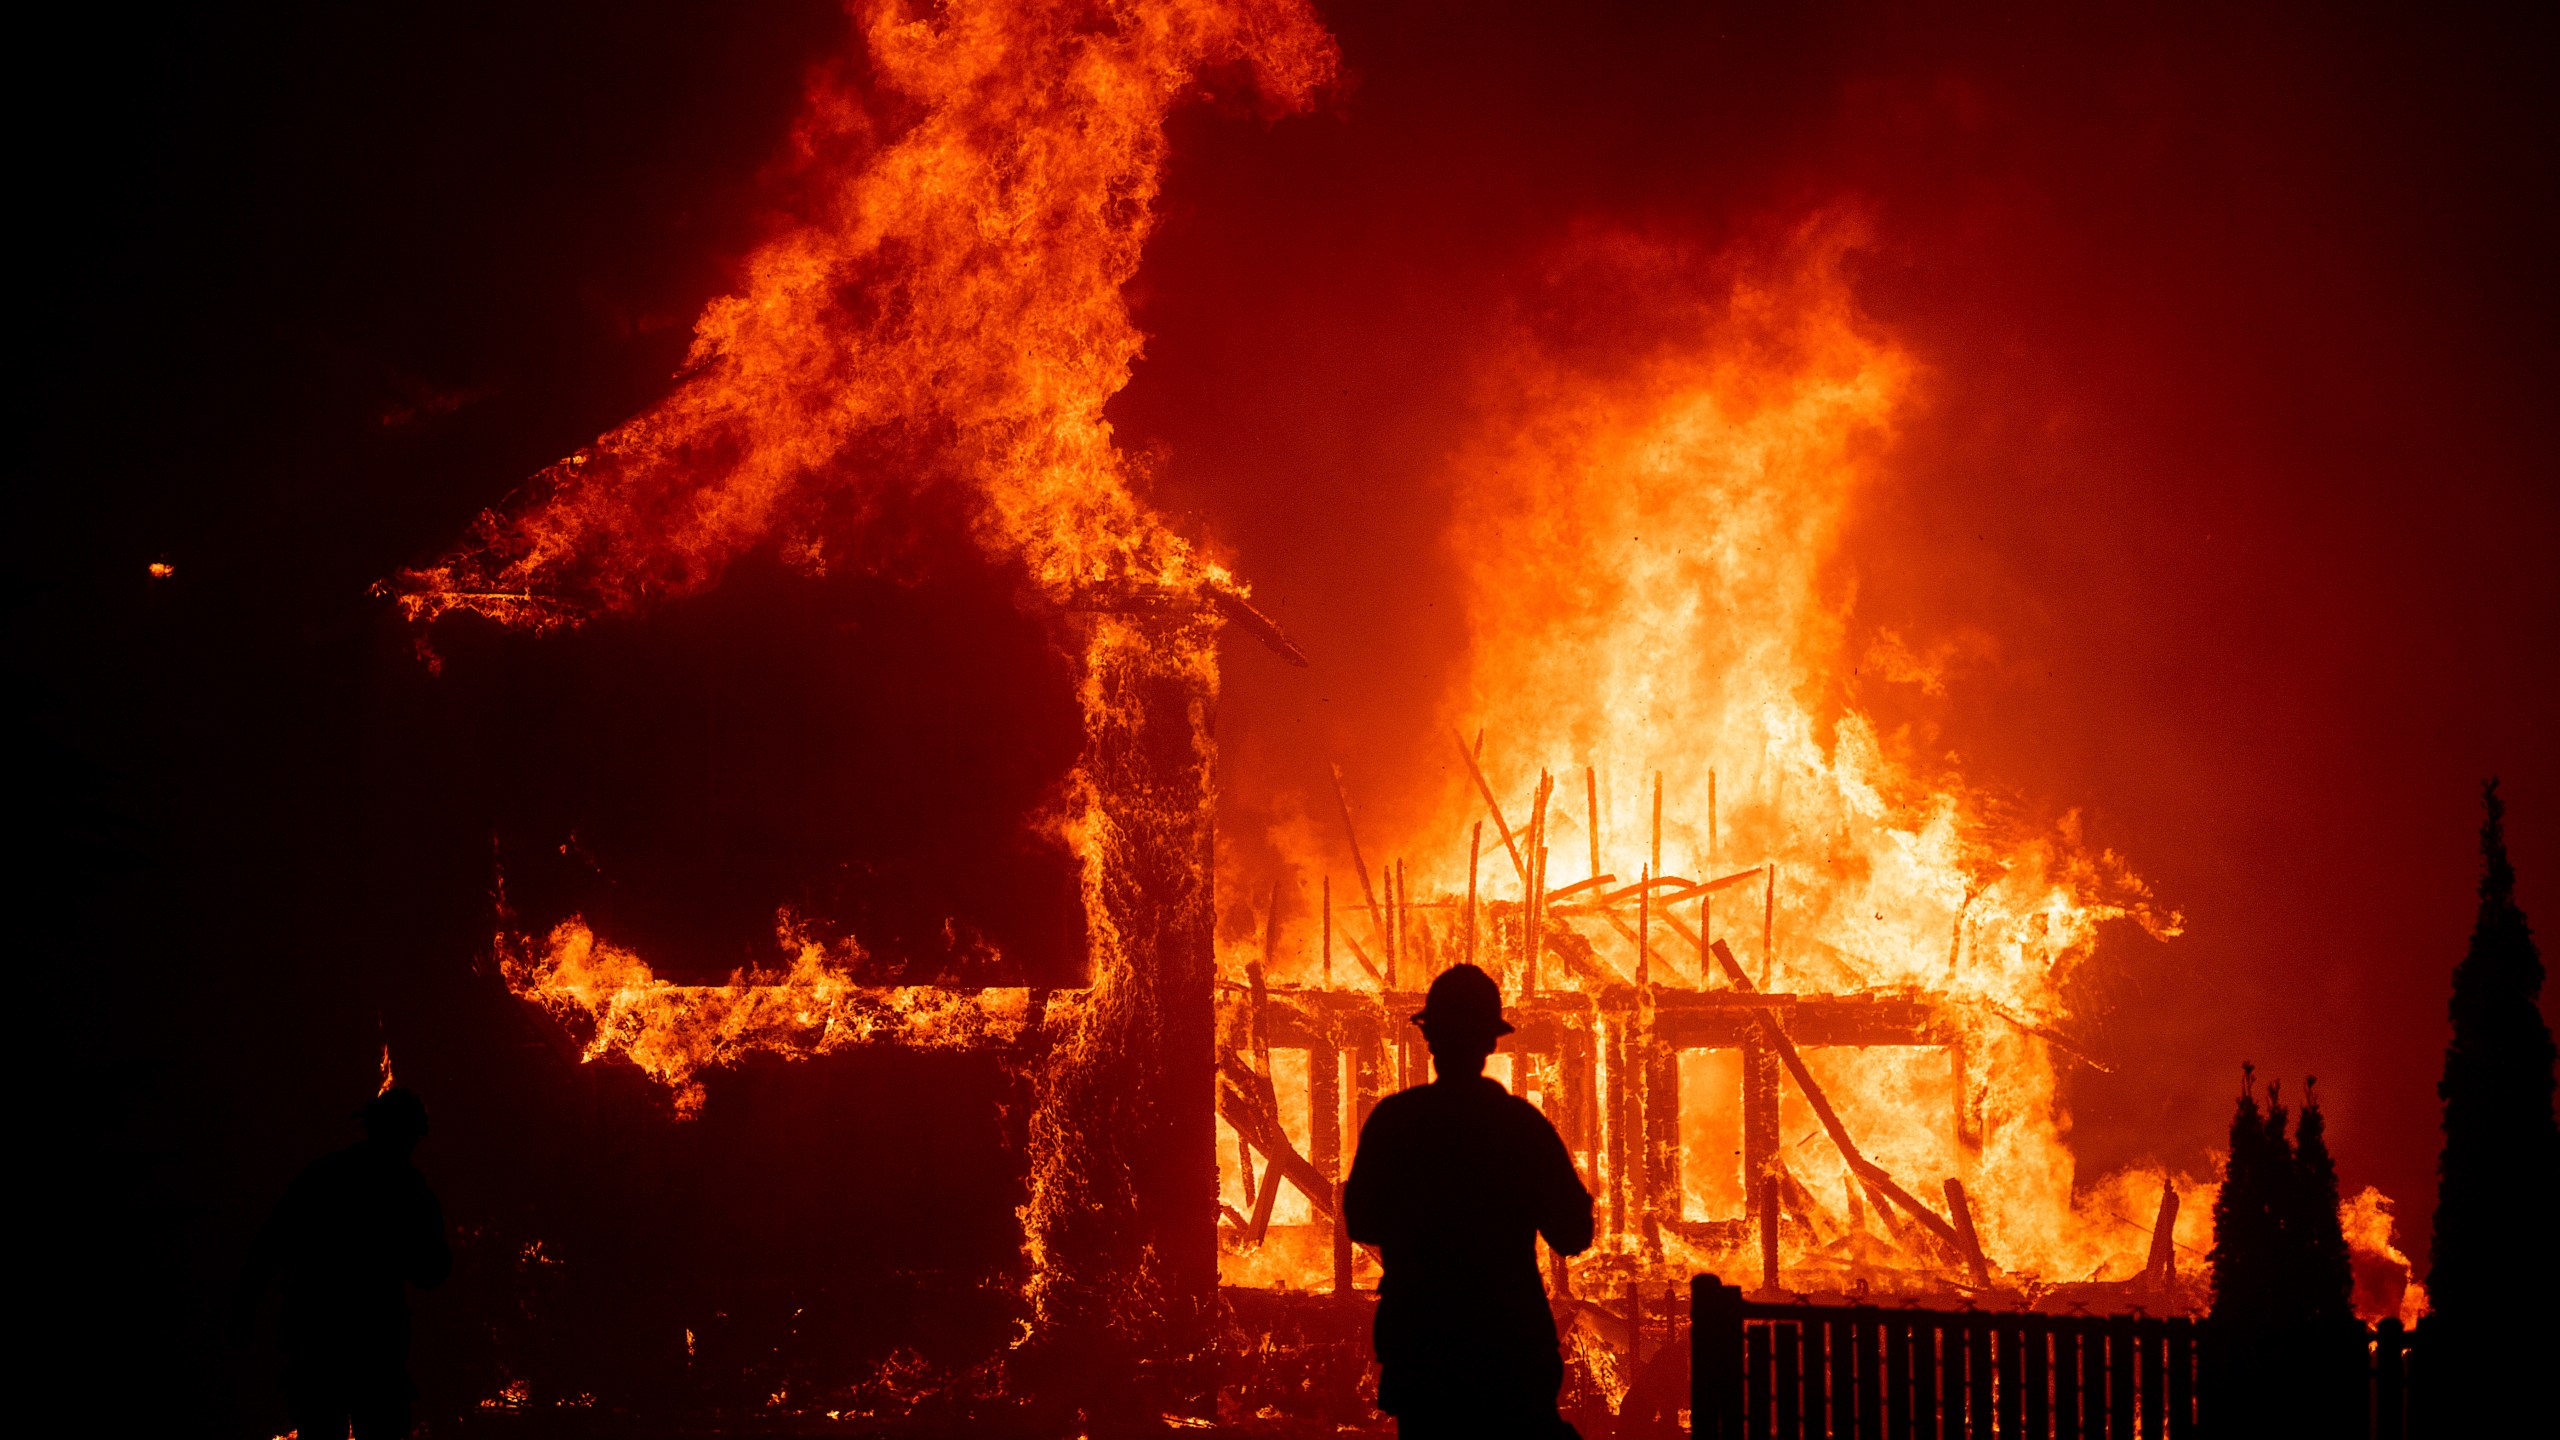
1806	1372
1755	1372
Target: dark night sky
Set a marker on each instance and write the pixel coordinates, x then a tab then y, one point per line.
2237	324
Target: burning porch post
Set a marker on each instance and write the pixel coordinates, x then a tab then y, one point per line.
1121	1221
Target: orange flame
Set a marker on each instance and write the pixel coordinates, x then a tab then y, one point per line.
948	318
949	315
2385	1283
950	312
675	1032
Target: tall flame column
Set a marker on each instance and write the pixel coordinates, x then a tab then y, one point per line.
1121	1221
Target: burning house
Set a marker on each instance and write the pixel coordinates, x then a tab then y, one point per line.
1792	991
880	646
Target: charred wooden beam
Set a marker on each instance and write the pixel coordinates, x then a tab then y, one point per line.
1795	1201
1768	927
1644	935
1533	912
1968	1130
1368	892
1118	1108
1662	1141
1577	888
1254	1119
1475	850
1366	963
1591	824
1227	598
1635	936
1324	1138
1580	1088
2161	1271
1878	1182
1615	1092
1666	890
1580	958
1765	1200
1364	1081
1722	1019
1501	826
1760	1129
1968	1242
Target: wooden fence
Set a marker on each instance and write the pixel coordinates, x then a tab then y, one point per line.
1862	1372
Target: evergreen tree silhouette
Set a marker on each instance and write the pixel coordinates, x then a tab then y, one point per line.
2282	1337
2495	1176
2322	1283
2495	1268
2246	1238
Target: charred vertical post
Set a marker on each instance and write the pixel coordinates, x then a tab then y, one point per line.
1644	928
1359	864
1769	926
1364	1077
1765	1200
1707	902
1533	906
1591	798
1404	923
1328	932
1395	922
1324	1138
1661	1141
1968	1133
1615	1089
1475	849
1760	1133
1122	1212
1578	1082
1967	1241
1655	851
2160	1272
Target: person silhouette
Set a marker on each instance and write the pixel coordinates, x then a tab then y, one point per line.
1453	1182
354	1228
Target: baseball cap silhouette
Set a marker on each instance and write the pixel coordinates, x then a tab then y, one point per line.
1464	1000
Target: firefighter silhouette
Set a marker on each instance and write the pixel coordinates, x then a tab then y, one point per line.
352	1232
1453	1183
